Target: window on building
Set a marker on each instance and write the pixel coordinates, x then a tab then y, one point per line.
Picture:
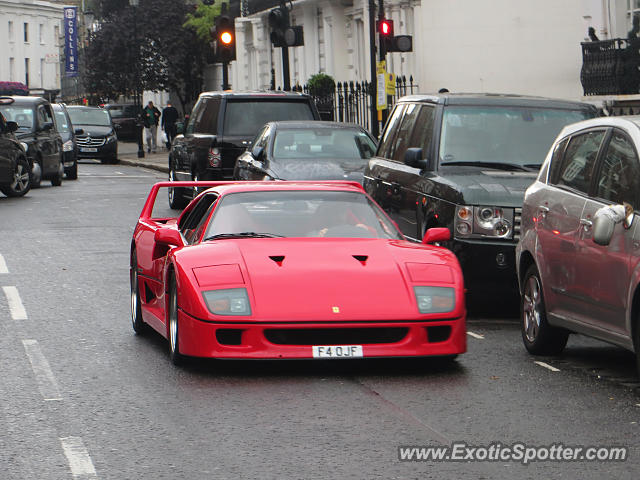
12	69
26	32
11	38
26	72
56	36
41	33
42	64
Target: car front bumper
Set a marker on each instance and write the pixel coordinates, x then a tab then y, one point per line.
108	150
282	340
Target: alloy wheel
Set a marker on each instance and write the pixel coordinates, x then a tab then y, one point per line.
173	322
531	314
20	179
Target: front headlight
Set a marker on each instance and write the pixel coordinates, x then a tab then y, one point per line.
435	299
67	146
483	221
230	301
111	138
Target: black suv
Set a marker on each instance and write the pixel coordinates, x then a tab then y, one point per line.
220	127
463	161
125	118
37	132
15	172
98	138
69	144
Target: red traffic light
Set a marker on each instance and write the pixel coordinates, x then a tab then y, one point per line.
385	27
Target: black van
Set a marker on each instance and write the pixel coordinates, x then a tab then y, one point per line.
219	129
463	161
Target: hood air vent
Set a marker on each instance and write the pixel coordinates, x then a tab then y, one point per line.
361	258
277	258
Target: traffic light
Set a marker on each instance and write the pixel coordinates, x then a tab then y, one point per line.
400	43
225	39
282	34
385	28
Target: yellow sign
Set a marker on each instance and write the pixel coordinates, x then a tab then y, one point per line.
391	84
381	86
381	67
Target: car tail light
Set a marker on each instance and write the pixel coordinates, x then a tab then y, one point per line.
214	157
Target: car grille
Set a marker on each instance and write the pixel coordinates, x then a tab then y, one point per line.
90	141
517	220
335	336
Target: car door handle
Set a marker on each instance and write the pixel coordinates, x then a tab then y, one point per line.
586	224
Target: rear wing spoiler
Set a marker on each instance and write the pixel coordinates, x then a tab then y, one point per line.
147	210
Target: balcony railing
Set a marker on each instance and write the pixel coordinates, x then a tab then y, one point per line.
611	67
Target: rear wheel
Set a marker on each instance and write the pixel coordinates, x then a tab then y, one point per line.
57	180
538	336
136	307
72	173
174	344
21	183
176	194
36	176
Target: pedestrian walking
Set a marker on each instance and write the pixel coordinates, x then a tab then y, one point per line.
169	118
151	116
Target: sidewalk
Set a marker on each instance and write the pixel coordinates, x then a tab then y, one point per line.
128	155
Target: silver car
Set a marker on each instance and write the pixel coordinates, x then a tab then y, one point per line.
578	259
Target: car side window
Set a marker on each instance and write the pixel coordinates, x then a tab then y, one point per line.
41	115
423	130
556	160
189	226
619	177
261	138
579	160
207	117
196	112
390	132
402	140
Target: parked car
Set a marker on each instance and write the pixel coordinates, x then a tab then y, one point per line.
98	139
284	270
68	134
219	129
578	258
463	161
15	172
40	139
307	151
125	118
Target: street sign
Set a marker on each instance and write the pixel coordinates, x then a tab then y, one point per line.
391	84
381	85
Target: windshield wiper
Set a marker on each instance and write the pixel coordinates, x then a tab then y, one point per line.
243	235
494	165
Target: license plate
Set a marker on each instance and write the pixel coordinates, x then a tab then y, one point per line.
337	351
86	149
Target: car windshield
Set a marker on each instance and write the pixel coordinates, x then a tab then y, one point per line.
90	116
300	214
23	116
343	143
246	117
62	125
502	135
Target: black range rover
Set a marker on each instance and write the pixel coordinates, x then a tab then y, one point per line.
221	127
463	161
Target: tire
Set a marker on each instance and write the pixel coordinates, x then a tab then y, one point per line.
174	344
136	306
21	180
538	336
636	343
72	173
36	176
57	180
177	201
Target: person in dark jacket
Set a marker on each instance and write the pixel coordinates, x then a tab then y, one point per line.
151	117
169	119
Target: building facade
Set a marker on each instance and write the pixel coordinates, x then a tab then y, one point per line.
30	32
506	46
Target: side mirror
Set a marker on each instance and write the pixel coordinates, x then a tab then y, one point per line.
79	131
258	153
603	227
12	126
46	126
413	158
168	236
605	220
179	128
434	235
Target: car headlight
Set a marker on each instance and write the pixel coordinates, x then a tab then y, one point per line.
67	146
230	301
435	299
111	138
483	221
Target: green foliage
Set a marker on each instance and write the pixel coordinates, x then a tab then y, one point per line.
320	83
203	19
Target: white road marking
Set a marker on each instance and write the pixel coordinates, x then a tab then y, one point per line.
118	173
15	304
3	265
78	457
47	383
476	335
547	366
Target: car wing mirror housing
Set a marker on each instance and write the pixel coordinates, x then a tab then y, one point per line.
46	126
436	234
258	153
79	131
12	126
413	157
168	236
606	219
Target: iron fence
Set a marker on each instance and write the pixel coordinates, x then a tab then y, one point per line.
610	67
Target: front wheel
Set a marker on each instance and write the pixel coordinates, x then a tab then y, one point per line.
538	336
57	180
72	173
176	194
136	307
174	338
21	183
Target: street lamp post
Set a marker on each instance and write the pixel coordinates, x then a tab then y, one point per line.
136	96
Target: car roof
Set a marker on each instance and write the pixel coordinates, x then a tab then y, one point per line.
267	94
502	99
26	100
627	121
307	125
340	186
83	107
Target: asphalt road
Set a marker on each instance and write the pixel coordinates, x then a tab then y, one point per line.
82	397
